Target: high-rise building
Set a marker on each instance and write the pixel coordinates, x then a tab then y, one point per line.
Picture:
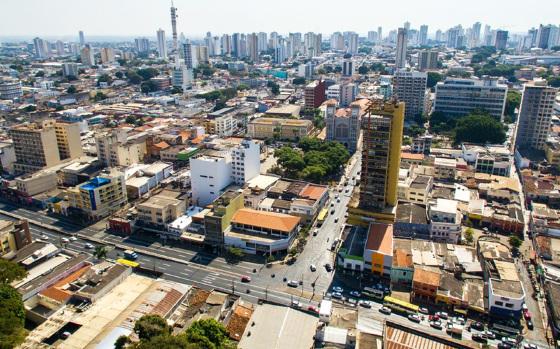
82	38
353	43
273	42
280	52
400	57
70	69
162	45
459	97
348	93
501	39
142	45
410	88
407	26
337	41
10	88
439	35
427	60
423	36
314	95
107	55
226	44
347	66
453	37
188	55
372	36
475	34
382	130
67	139
236	45
548	36
295	38
253	47
262	42
202	55
41	48
379	34
535	113
312	44
86	55
60	48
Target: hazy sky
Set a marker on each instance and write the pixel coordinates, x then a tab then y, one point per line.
143	17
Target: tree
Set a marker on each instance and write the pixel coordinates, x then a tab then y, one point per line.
12	316
71	89
469	235
210	329
479	129
100	252
121	342
554	81
513	101
119	75
40	74
149	86
10	271
147	73
99	96
133	77
235	252
149	326
242	87
515	242
176	90
298	81
274	87
30	108
433	79
363	69
314	173
104	78
318	119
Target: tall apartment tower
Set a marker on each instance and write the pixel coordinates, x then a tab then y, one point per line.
423	36
427	60
107	55
410	88
161	44
253	47
87	57
533	125
347	66
400	58
35	147
82	38
382	131
501	39
41	48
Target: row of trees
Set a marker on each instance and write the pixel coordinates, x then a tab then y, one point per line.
154	332
12	312
315	161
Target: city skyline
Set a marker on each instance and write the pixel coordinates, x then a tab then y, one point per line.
144	18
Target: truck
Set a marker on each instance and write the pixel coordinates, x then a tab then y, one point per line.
130	255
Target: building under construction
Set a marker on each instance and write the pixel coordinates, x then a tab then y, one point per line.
382	131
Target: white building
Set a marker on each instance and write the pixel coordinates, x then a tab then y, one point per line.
445	220
410	88
246	163
400	57
70	69
210	175
348	94
10	89
86	55
162	45
333	92
506	293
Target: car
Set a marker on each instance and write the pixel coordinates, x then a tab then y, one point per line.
73	238
44	237
88	246
530	325
479	337
423	310
458	320
356	294
293	283
530	346
312	267
65	240
352	302
296	304
524	307
65	335
442	315
337	200
315	231
332	211
336	220
509	340
347	190
436	324
477	325
433	318
328	267
414	318
312	309
338	289
504	346
332	204
385	310
245	278
527	315
336	295
365	304
489	334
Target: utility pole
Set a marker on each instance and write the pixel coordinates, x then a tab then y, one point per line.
232	287
266	293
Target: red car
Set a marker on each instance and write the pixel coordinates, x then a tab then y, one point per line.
313	309
433	318
245	279
527	315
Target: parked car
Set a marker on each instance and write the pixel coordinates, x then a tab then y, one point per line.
489	334
328	267
296	304
365	304
352	302
357	294
504	346
524	307
479	337
527	315
44	237
509	340
530	325
442	315
414	318
436	324
315	231
530	346
88	246
73	238
434	317
338	289
336	295
477	325
293	283
312	267
65	240
385	310
245	278
423	310
312	309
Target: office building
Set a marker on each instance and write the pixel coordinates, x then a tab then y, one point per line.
314	95
182	77
428	60
333	92
107	55
400	56
459	97
544	36
501	40
142	45
162	44
410	88
262	44
445	221
423	35
245	160
14	235
41	48
119	149
306	70
218	220
67	138
100	196
280	52
312	44
10	88
382	130
372	36
86	55
226	44
82	38
535	113
347	66
160	210
70	69
475	34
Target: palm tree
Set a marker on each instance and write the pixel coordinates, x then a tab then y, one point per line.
100	252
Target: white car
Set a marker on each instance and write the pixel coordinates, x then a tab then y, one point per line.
385	310
338	289
73	238
293	283
44	237
65	240
88	246
312	267
296	304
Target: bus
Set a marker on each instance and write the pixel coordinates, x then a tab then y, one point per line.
400	306
321	217
373	293
128	263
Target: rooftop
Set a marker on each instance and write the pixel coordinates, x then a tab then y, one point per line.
427	277
380	238
266	220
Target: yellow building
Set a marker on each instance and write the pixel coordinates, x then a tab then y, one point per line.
68	139
552	151
160	210
382	127
219	218
279	128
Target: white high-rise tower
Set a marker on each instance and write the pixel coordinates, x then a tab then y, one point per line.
161	44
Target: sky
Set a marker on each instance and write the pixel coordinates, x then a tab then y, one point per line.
64	18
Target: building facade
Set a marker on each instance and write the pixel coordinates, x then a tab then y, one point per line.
410	88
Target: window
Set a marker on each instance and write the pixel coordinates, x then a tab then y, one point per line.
498	303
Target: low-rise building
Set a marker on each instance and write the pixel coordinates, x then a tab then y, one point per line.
378	252
445	169
14	235
277	128
445	221
425	284
160	210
